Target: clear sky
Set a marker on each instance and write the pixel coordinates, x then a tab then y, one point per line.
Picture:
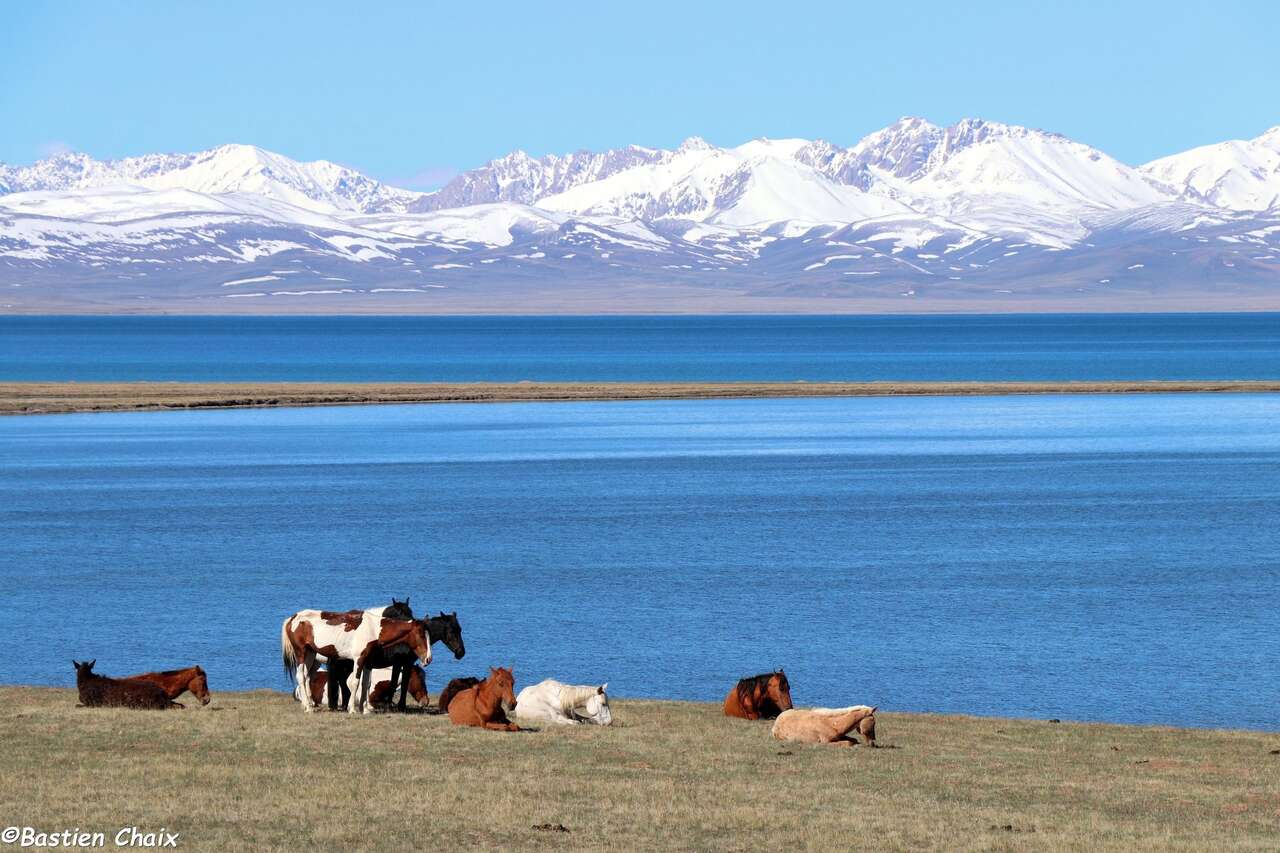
410	92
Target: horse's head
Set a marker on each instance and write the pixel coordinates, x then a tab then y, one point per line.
416	638
450	633
199	686
597	707
779	690
503	682
398	610
85	667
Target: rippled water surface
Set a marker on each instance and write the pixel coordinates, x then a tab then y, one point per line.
1105	558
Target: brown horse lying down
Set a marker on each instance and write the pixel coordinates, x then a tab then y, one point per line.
175	682
380	692
98	691
481	705
453	688
827	725
766	696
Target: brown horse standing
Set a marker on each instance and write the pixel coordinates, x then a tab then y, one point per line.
98	691
175	682
481	706
760	696
453	688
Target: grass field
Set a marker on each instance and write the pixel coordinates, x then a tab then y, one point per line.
34	398
251	771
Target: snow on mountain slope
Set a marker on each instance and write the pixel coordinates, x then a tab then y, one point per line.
1238	175
752	186
320	185
995	177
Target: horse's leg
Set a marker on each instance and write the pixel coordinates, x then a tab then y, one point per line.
404	685
306	668
353	687
395	679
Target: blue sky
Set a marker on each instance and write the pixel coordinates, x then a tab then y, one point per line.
410	92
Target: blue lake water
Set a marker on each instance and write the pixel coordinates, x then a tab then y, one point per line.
1006	347
1103	558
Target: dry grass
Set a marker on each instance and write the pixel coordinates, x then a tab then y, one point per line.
252	771
19	398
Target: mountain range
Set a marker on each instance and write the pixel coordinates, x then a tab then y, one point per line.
977	216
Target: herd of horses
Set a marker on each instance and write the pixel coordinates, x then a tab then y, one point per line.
368	655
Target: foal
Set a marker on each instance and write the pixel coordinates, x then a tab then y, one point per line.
99	691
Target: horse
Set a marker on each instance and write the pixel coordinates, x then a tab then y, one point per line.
827	725
99	691
369	638
443	627
453	688
175	682
760	696
481	706
566	704
380	693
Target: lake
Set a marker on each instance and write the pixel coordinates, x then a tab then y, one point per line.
669	349
1083	557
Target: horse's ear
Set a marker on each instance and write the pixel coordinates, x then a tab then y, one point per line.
75	663
601	688
91	663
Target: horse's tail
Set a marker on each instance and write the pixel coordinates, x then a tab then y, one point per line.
288	657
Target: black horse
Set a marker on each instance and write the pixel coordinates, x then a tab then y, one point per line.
443	627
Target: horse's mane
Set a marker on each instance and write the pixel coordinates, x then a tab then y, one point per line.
747	686
571	697
177	671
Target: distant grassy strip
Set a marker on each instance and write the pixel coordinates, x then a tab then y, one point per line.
29	398
252	772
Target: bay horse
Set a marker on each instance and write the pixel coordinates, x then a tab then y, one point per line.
827	725
380	693
99	691
760	696
481	706
442	627
453	688
175	682
368	638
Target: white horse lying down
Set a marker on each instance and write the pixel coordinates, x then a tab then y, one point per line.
827	725
554	702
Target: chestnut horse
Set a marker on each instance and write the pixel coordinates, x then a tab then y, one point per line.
827	725
380	694
453	688
175	682
481	706
760	696
442	627
99	691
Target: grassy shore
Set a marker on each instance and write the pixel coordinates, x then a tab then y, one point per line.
251	770
19	398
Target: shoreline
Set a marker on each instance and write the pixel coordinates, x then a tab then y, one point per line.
34	398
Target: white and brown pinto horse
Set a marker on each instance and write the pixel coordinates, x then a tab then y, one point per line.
367	637
566	704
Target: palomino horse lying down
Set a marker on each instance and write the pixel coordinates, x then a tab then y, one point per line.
99	691
553	702
481	706
175	682
380	694
827	725
765	695
368	638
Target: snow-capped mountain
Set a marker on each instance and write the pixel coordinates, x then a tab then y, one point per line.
975	216
1236	175
319	185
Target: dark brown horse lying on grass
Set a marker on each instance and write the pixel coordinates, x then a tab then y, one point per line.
759	697
98	691
175	682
